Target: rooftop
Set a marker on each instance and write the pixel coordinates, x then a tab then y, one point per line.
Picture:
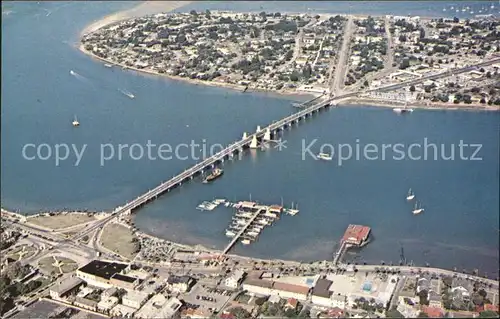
124	278
321	288
356	233
102	269
66	285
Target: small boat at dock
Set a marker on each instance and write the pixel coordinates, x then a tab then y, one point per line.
108	65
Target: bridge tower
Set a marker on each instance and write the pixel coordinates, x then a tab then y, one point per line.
245	136
254	143
267	135
258	129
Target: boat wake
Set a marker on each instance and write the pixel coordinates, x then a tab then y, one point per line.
79	77
127	93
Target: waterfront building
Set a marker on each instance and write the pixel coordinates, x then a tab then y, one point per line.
235	279
356	235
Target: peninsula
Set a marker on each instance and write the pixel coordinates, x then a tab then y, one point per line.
313	54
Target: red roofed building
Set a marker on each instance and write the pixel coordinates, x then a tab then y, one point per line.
356	234
490	307
433	312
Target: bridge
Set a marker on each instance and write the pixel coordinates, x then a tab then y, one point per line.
262	134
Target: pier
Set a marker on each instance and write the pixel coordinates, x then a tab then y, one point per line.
242	231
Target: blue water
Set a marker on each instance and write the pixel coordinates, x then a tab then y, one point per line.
459	227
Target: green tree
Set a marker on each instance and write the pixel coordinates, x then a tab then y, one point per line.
488	314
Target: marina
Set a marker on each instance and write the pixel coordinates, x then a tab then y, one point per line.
250	220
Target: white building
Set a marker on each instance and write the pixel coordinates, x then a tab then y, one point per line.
134	299
235	279
107	303
283	290
322	296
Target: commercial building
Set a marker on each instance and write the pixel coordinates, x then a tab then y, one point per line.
151	307
179	283
235	279
85	303
106	304
98	273
123	281
134	299
170	309
323	296
65	287
122	311
281	289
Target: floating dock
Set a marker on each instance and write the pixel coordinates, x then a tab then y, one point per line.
250	219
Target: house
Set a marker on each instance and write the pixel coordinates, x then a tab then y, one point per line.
180	283
235	279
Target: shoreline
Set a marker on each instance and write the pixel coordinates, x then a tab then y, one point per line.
229	86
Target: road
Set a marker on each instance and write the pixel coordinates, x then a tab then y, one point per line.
342	61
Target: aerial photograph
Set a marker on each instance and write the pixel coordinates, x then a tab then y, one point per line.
250	159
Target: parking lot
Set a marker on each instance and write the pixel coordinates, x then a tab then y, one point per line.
207	297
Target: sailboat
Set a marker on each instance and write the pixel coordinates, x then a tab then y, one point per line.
75	122
418	209
410	195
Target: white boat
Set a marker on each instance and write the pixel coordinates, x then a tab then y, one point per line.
230	233
246	242
227	204
72	72
324	156
241	222
108	65
417	210
410	195
130	95
75	122
402	109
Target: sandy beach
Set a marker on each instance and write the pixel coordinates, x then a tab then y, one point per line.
143	9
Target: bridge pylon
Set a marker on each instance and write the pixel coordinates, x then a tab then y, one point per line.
254	143
258	129
267	135
245	136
